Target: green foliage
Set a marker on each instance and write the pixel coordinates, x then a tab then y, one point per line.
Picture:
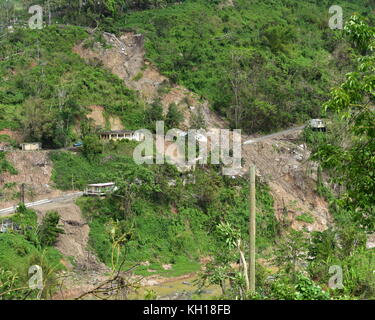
219	270
305	217
8	286
161	221
5	165
291	252
49	230
262	64
5	138
45	87
348	151
75	171
173	117
261	75
198	119
302	289
96	12
154	113
21	249
344	247
92	146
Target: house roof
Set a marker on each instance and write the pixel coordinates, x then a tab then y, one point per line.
108	184
23	143
116	132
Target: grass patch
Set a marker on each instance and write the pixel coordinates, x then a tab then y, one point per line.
305	217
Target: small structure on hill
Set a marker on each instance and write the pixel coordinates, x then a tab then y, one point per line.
100	189
317	125
121	135
8	225
31	146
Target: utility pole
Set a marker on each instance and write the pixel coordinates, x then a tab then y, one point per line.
23	193
49	13
252	230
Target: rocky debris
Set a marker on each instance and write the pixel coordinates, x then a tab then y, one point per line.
150	282
96	114
126	59
74	241
167	266
34	169
177	296
74	223
292	178
282	162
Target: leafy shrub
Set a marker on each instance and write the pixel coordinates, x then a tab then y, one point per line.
305	217
302	289
5	165
49	230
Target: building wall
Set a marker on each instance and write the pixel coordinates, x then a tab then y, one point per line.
115	137
31	147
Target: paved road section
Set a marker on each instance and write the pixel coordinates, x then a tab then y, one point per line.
70	196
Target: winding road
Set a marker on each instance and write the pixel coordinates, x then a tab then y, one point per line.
273	135
69	196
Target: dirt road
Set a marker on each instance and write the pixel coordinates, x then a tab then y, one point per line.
273	135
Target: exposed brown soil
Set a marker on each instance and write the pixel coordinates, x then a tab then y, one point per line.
34	170
280	161
73	243
97	115
126	59
12	134
84	270
283	163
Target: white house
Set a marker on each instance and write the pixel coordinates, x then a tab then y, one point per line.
121	135
31	146
100	189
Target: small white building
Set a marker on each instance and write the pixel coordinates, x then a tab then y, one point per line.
31	146
100	189
121	135
317	125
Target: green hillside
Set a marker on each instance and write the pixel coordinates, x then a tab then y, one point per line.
281	54
261	65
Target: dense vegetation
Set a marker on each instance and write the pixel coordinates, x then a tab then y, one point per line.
22	246
45	87
5	166
263	65
157	217
346	152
